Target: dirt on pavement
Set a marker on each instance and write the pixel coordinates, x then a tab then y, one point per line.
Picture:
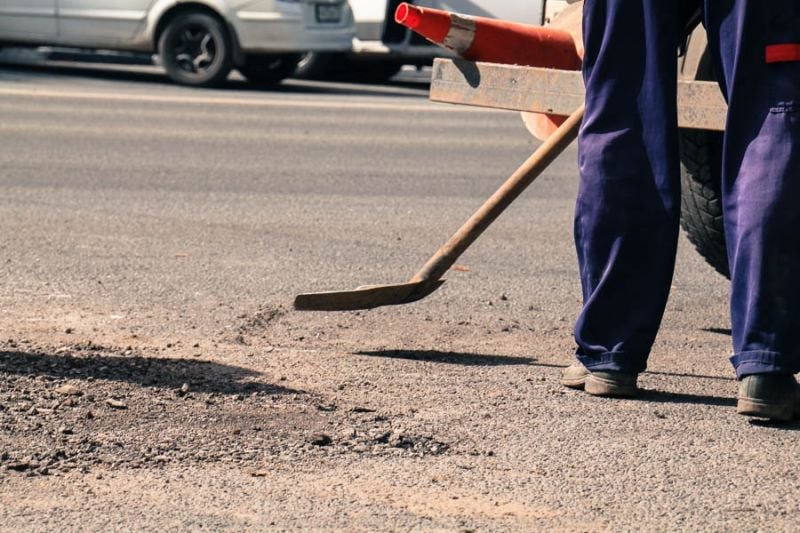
288	421
153	376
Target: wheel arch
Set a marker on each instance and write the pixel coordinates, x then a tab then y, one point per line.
164	12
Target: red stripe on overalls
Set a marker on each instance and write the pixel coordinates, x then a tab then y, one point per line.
779	53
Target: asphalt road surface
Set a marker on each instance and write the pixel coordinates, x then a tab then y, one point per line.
153	374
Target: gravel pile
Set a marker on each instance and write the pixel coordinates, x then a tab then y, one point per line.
89	407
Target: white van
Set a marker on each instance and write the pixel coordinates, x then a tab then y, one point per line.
199	42
381	46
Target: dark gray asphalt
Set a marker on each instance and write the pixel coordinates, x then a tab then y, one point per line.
128	204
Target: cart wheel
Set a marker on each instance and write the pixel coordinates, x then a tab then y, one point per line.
195	50
701	203
701	180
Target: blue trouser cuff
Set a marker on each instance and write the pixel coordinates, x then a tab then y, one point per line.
763	362
613	362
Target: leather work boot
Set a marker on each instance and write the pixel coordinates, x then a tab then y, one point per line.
611	384
772	396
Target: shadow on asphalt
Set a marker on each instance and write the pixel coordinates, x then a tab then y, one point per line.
719	331
693	376
472	359
452	358
656	396
294	87
203	376
785	426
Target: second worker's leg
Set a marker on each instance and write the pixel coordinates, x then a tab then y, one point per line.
756	46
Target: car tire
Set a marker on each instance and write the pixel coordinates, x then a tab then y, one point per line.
318	65
331	66
195	50
373	71
263	70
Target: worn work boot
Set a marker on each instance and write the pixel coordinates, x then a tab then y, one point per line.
613	384
772	396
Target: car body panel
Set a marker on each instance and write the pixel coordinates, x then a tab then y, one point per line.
258	26
292	26
28	20
101	22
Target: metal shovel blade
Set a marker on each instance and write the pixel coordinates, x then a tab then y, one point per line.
366	297
429	277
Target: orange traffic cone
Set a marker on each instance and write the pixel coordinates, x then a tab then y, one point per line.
495	41
498	41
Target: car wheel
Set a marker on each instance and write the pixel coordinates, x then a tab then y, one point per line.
195	50
373	71
318	66
269	69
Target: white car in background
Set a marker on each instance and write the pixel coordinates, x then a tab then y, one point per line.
381	46
199	41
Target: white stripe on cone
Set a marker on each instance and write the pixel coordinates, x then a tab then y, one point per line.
461	34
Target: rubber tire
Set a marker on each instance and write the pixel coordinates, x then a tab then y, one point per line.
223	61
318	65
265	70
701	197
339	67
373	71
701	181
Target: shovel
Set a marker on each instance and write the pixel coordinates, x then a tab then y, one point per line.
428	279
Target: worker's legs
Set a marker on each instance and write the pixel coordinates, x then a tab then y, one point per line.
761	177
627	213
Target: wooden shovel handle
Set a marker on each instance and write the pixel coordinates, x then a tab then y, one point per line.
445	256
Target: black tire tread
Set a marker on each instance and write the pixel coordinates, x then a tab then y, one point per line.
267	70
701	205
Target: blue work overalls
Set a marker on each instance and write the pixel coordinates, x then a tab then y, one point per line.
628	206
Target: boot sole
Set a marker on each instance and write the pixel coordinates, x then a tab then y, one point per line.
597	386
575	383
783	412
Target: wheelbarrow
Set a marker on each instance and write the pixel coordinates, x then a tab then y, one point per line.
535	92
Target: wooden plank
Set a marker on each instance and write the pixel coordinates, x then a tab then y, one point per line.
558	92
